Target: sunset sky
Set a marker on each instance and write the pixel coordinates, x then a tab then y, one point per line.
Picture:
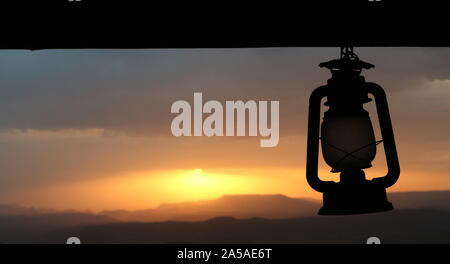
90	129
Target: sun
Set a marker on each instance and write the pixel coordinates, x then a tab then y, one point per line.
197	178
199	183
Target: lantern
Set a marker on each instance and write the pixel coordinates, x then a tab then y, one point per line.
348	141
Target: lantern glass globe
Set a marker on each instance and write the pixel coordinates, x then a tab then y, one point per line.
348	143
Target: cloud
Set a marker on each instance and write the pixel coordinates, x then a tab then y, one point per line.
68	115
403	68
132	91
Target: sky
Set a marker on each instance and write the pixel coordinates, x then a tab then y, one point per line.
90	129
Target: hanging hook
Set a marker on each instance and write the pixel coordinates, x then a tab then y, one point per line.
347	52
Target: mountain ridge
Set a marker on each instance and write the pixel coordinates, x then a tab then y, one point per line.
271	206
238	206
400	226
420	217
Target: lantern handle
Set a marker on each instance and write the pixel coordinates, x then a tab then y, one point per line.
347	52
387	134
312	155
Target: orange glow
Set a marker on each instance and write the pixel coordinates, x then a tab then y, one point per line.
201	184
142	190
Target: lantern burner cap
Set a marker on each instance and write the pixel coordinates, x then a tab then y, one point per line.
355	195
366	198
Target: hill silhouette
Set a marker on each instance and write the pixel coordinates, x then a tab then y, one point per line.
420	217
439	200
401	226
237	206
20	228
266	206
15	209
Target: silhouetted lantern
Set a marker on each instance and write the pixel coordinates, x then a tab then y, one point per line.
348	140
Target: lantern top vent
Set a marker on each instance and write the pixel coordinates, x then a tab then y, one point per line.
349	62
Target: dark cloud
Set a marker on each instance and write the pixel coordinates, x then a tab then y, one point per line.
131	90
406	68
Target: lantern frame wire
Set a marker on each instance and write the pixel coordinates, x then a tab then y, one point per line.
351	153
